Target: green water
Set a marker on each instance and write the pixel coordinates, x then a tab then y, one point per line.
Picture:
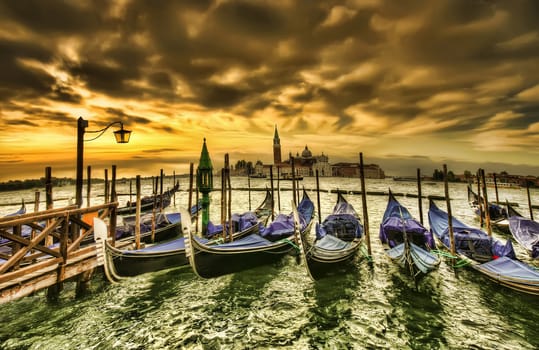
374	306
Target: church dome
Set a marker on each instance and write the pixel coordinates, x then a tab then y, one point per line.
306	153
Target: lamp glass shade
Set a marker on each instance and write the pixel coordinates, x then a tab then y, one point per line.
122	135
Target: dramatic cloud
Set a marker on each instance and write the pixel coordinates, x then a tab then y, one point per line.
452	80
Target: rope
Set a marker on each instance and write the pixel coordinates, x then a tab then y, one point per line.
365	253
443	253
289	242
461	263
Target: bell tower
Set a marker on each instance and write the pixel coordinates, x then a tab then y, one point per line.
276	148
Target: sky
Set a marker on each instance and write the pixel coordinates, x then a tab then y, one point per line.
407	83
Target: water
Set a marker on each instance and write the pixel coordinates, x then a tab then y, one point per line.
278	306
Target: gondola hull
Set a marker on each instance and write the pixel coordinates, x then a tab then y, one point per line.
121	263
328	254
407	241
322	263
209	261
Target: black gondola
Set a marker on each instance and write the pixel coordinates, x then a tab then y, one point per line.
120	263
267	246
336	243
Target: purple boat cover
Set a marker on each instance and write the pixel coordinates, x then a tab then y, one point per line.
468	240
526	233
397	219
342	223
241	222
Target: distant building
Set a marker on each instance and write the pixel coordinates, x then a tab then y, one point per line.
304	165
371	171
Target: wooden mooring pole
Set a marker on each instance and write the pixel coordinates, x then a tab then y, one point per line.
419	200
486	204
449	215
364	204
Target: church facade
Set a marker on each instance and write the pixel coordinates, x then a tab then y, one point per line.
306	164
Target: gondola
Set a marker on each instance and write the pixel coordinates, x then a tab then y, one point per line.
147	202
525	231
336	242
497	213
121	263
408	242
269	245
489	256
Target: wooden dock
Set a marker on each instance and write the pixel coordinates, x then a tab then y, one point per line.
43	249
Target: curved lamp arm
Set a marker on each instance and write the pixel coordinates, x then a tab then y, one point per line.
122	135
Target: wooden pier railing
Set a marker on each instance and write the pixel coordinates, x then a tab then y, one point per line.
44	249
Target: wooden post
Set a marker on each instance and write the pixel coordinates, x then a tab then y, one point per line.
137	214
190	200
130	191
297	185
419	199
272	196
479	199
229	188
486	204
106	185
52	291
449	214
529	199
496	188
154	209
88	186
223	202
364	204
174	194
318	198
36	209
113	198
161	176
48	198
249	189
279	188
197	199
294	182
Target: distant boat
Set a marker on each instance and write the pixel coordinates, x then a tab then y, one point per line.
257	176
289	177
404	178
497	213
147	202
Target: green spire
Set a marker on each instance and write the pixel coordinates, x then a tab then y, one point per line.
205	184
205	161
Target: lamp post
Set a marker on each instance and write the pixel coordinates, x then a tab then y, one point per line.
122	136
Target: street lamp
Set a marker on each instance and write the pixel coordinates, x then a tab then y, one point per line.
122	136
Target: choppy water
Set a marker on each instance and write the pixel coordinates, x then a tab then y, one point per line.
278	306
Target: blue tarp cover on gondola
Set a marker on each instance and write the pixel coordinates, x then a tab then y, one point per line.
283	225
342	223
396	220
343	226
330	242
526	233
253	240
468	240
507	268
240	221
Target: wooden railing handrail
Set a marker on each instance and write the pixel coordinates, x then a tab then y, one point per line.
49	214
